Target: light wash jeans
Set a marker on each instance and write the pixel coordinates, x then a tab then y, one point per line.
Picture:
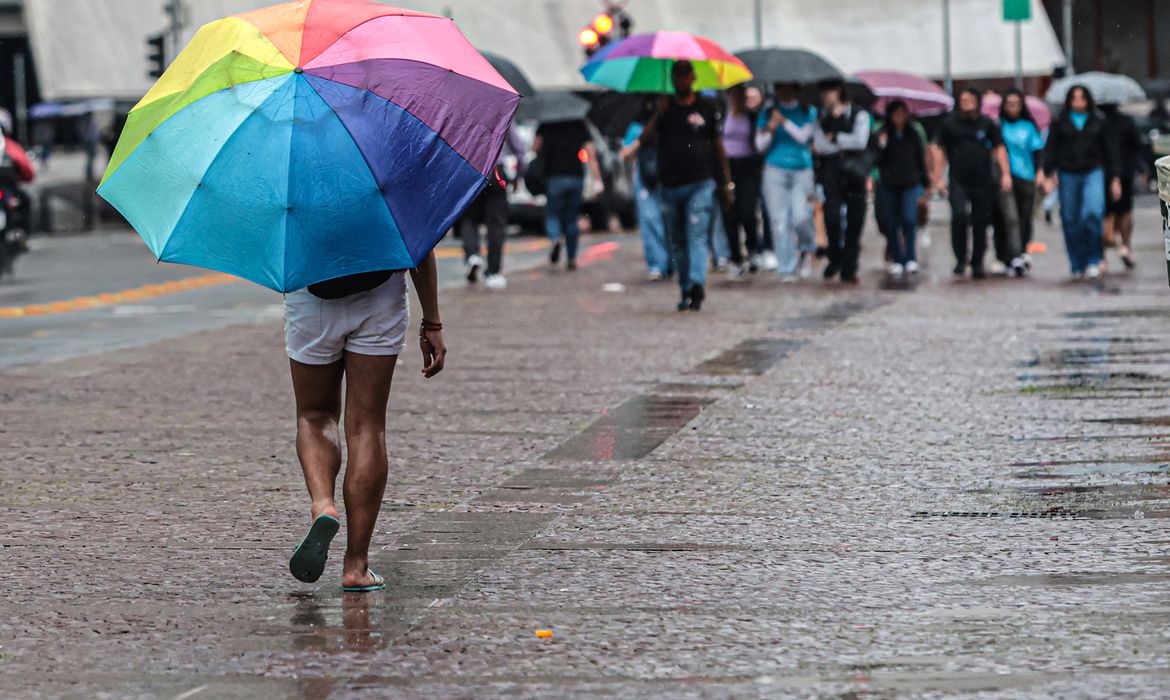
561	210
651	227
720	248
786	194
687	211
1082	212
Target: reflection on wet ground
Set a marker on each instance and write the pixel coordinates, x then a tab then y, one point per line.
1136	487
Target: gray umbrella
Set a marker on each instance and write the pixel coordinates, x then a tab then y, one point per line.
510	72
552	106
1106	88
774	65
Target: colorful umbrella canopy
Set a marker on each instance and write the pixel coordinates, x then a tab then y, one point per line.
1040	111
642	63
924	97
309	141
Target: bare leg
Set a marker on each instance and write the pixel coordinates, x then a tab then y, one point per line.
368	380
318	394
1125	226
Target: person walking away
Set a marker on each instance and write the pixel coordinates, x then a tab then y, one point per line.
969	143
1079	154
1127	144
739	143
350	331
841	142
903	181
784	136
690	161
560	145
490	210
1025	149
646	200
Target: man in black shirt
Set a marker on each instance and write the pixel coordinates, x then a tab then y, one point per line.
560	146
690	158
971	143
842	148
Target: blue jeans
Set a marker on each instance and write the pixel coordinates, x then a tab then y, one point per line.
1082	210
564	196
720	248
653	230
900	207
786	195
687	211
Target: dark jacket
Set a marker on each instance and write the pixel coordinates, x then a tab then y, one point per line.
902	162
1080	150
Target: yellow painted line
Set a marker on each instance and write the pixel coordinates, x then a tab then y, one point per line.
153	291
137	294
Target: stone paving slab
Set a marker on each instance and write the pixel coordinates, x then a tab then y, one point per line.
808	491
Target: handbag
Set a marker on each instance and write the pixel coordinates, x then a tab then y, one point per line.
536	178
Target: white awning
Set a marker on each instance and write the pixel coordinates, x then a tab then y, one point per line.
87	48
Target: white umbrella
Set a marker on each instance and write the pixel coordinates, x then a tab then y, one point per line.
1106	88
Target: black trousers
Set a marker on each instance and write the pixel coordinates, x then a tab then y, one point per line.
843	189
490	209
972	213
743	214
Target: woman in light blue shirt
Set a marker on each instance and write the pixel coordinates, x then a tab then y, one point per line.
1025	147
784	136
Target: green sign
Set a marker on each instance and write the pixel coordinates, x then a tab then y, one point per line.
1017	10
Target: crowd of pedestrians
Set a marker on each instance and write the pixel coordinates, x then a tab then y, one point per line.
744	185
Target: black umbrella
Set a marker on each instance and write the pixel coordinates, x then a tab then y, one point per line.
773	65
510	72
553	106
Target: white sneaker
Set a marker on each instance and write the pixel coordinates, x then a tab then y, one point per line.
788	279
1019	267
736	273
653	276
721	264
756	263
895	269
472	267
912	267
806	266
1093	272
497	282
769	261
1027	260
997	268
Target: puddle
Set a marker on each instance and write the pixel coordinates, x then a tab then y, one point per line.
1154	421
632	430
836	314
753	356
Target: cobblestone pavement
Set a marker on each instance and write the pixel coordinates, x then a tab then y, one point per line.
803	491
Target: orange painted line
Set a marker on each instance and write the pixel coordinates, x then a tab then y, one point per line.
95	301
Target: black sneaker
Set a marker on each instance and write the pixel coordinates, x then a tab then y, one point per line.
978	273
697	297
685	303
554	256
832	270
571	265
959	270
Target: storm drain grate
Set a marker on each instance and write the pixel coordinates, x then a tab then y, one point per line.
1010	515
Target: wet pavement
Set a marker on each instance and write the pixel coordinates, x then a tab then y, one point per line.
959	489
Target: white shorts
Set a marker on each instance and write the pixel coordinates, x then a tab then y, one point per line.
319	331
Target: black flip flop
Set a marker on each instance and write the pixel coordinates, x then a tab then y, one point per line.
308	562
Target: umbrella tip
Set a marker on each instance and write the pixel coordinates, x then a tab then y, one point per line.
298	70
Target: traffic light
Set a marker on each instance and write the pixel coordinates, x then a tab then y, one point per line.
606	27
156	55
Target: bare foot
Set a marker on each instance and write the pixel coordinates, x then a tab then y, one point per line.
325	508
356	572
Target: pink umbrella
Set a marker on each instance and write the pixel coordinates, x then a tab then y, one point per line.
1039	109
924	97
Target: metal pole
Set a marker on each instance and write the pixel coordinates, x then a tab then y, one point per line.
948	78
1019	55
1067	17
759	23
21	87
174	8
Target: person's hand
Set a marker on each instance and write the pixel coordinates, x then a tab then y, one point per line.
727	195
1005	183
776	120
940	188
663	103
1115	189
869	185
629	151
598	188
883	139
1050	184
434	352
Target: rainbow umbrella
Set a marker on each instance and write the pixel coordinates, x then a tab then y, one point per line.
309	141
642	63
